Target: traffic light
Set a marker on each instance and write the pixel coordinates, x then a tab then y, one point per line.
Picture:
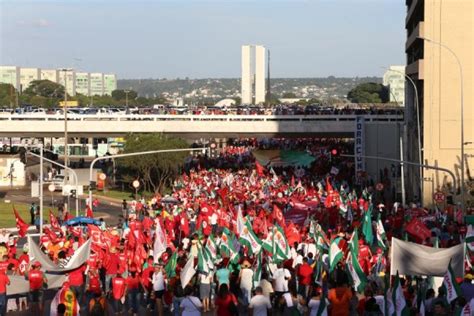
72	194
93	185
213	149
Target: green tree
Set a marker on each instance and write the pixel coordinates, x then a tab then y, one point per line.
155	170
45	88
118	94
369	92
7	94
289	95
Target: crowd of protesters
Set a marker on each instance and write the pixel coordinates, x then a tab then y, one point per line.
246	239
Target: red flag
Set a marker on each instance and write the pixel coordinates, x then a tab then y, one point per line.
52	235
89	212
329	188
259	168
292	234
131	239
20	224
96	235
223	192
417	229
184	224
54	221
277	215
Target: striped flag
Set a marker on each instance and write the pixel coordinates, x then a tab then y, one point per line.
398	299
202	266
248	238
335	254
170	267
450	285
211	246
188	272
280	245
381	234
367	226
257	276
359	279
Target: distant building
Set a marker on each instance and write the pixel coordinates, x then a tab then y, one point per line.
27	75
67	78
97	83
10	75
83	83
77	82
110	83
253	74
394	79
49	74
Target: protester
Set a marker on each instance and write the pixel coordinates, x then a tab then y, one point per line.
37	280
4	281
309	238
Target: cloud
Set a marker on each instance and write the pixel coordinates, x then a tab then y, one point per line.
35	23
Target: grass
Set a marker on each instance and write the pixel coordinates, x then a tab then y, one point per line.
7	217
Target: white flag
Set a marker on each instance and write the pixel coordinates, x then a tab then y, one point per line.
160	242
188	272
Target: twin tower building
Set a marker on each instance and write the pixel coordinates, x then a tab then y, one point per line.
255	89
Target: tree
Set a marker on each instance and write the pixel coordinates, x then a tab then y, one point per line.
118	94
369	92
7	94
45	88
289	95
155	170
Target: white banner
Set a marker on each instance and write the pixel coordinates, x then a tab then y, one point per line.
414	259
359	145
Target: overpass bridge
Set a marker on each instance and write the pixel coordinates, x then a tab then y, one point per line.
193	126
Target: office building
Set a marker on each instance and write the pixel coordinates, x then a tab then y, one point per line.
110	83
10	75
394	80
27	75
83	83
96	84
436	73
253	74
67	78
49	74
77	82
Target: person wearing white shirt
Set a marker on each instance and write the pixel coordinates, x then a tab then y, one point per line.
259	304
280	279
246	280
266	285
158	281
190	305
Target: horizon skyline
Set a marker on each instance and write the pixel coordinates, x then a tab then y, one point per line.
180	39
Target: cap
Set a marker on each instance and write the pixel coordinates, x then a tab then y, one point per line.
36	264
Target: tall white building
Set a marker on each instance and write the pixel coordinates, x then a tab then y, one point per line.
110	83
394	79
97	83
27	75
253	74
83	83
49	74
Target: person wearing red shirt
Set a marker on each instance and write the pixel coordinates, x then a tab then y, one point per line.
119	287
76	282
305	273
4	263
133	283
4	281
146	283
23	262
111	265
36	279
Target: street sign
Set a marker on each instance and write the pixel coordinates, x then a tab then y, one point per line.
439	197
379	186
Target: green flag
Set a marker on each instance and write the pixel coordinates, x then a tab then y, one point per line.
354	242
170	267
357	276
398	299
335	254
450	284
367	226
202	266
280	245
257	276
248	238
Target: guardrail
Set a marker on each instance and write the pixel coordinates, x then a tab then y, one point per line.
207	118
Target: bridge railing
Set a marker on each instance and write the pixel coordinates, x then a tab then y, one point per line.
207	118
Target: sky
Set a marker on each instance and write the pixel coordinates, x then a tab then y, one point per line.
203	38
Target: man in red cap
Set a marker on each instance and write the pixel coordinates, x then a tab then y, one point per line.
37	279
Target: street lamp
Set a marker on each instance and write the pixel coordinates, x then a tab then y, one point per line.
462	114
417	105
136	185
126	97
65	70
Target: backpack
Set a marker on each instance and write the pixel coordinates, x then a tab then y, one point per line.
97	309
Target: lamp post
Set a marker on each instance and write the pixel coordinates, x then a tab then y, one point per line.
462	115
136	185
418	127
65	70
140	153
126	97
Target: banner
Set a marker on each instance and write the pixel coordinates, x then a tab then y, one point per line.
270	158
19	285
414	259
75	261
359	146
